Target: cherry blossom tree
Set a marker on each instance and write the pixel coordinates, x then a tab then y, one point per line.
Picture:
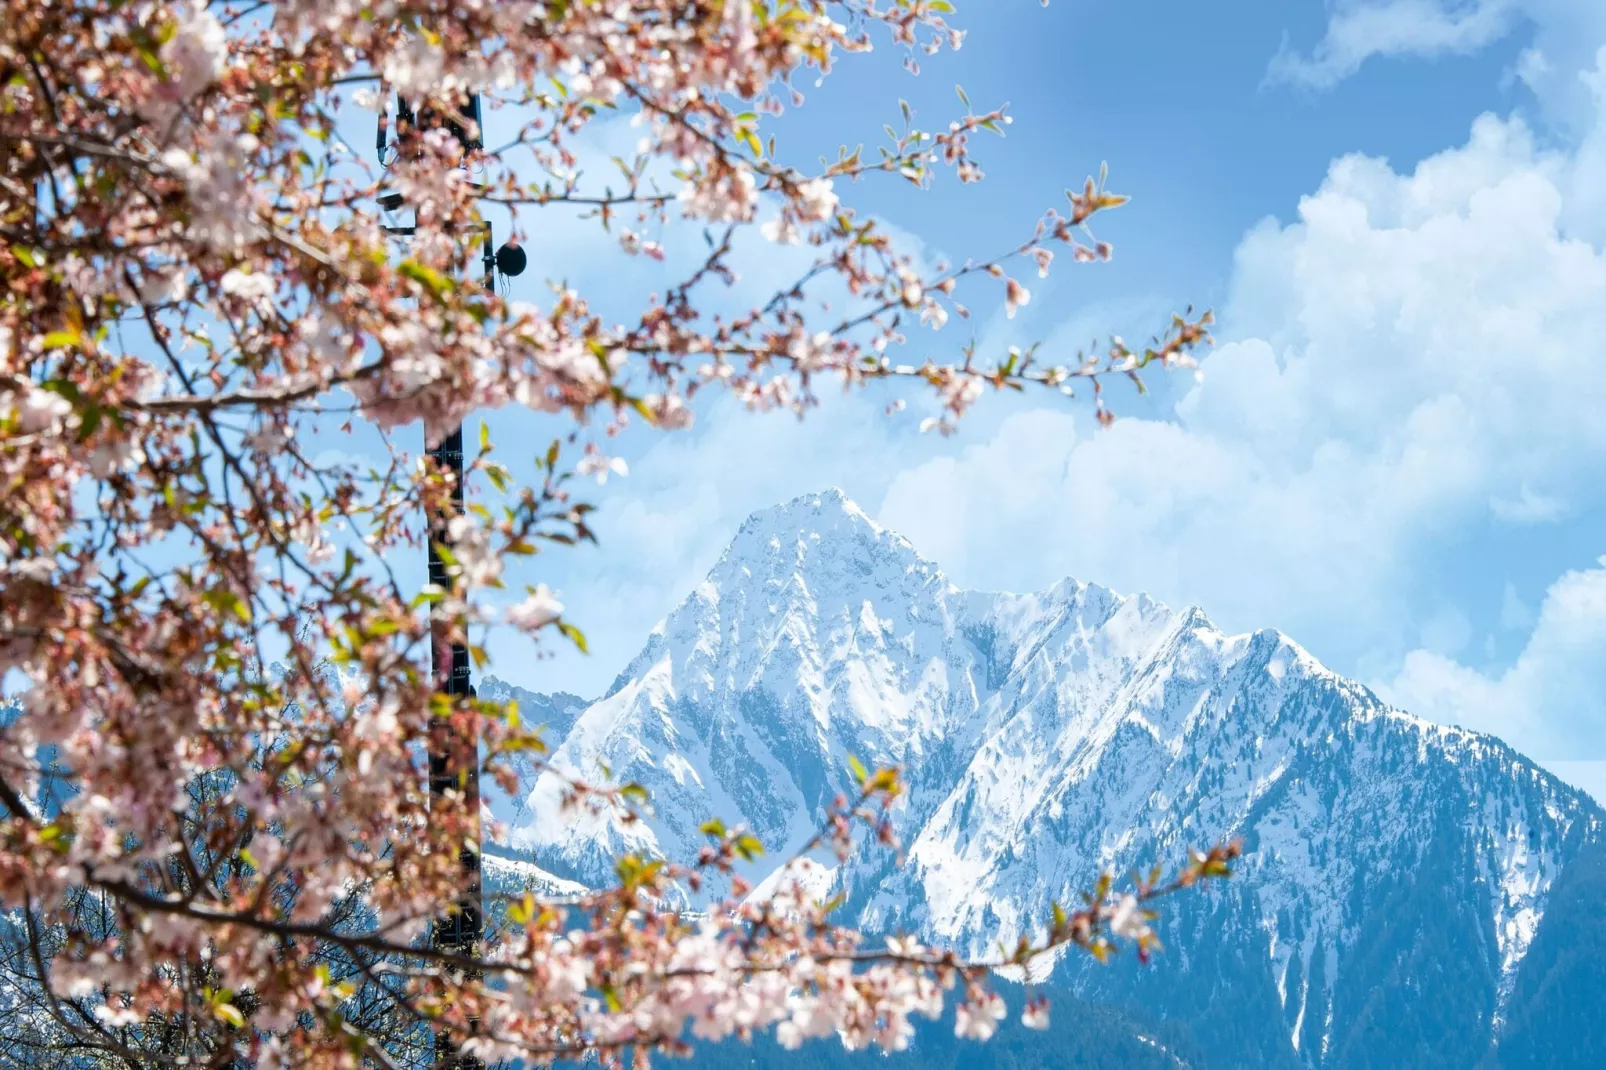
219	841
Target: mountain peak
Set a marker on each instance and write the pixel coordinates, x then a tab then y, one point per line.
817	534
830	508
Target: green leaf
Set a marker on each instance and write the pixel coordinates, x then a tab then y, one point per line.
226	601
748	847
429	596
229	1013
89	423
152	61
641	408
860	773
633	870
574	635
437	284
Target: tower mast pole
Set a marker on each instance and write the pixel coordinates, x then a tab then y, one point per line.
454	764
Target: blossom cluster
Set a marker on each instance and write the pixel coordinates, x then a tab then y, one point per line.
218	830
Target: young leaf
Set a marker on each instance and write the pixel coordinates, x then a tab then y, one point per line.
574	635
860	773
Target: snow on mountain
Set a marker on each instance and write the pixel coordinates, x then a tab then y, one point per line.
508	874
817	635
1048	737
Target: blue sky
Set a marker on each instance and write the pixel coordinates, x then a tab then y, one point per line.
1398	209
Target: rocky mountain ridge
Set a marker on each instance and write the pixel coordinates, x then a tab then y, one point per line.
1399	871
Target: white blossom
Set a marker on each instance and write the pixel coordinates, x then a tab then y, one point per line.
595	464
477	563
1035	1014
197	52
816	200
781	230
727	196
978	1018
669	411
42	410
1126	919
37	569
535	612
116	455
249	285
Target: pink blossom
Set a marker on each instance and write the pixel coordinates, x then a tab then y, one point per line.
173	346
1016	296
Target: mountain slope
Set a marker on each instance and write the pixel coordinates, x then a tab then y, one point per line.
1399	874
817	635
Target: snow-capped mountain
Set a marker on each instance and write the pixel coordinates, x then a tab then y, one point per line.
1396	904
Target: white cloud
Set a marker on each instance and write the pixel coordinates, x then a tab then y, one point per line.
1563	38
1361	29
1410	361
1551	702
1411	365
1528	507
